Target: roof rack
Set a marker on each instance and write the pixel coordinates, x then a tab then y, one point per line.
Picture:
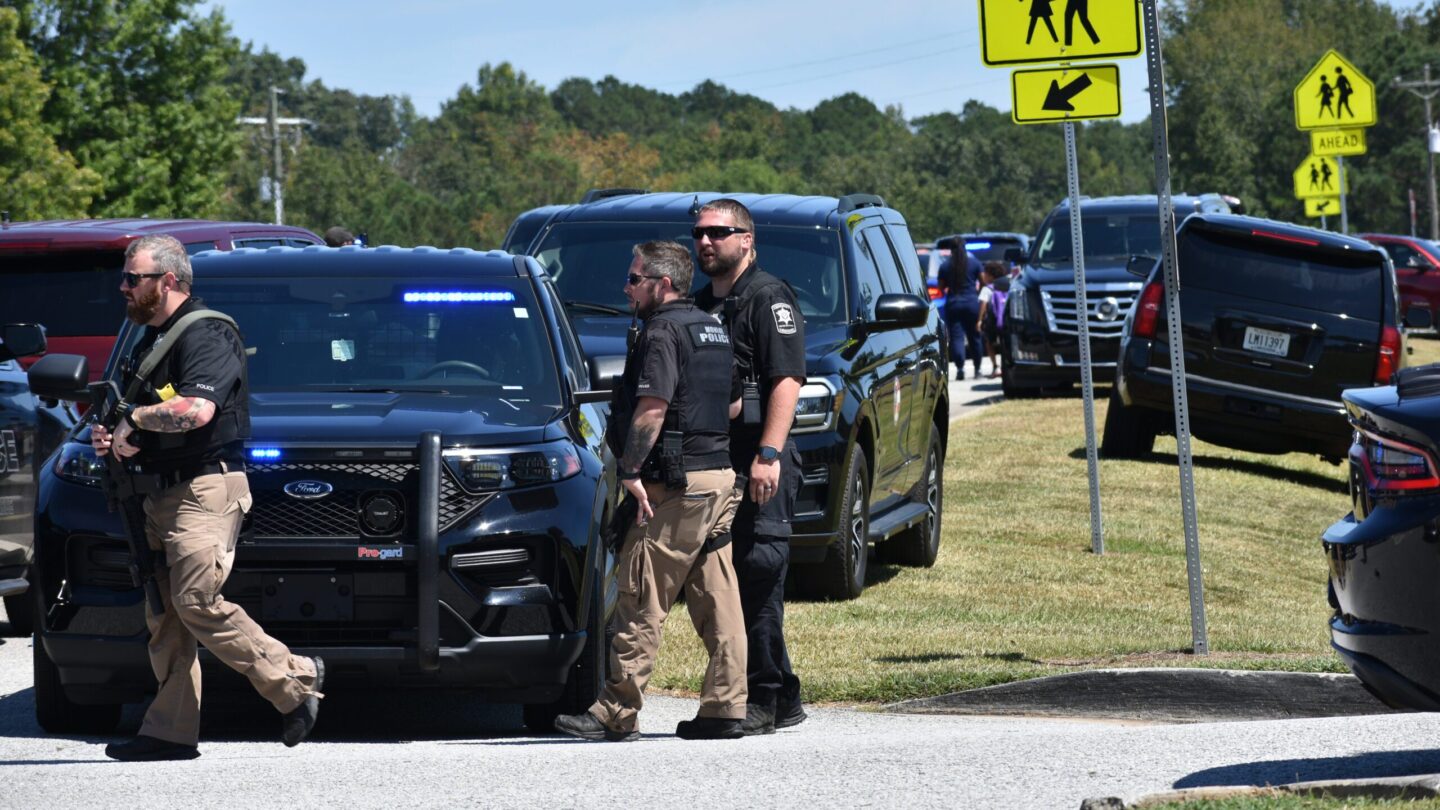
850	202
603	193
1418	381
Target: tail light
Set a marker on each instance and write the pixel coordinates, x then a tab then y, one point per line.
1388	361
1148	309
935	292
1393	466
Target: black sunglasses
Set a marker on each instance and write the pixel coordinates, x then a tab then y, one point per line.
634	279
715	232
133	279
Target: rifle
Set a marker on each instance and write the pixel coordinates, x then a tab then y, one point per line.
123	496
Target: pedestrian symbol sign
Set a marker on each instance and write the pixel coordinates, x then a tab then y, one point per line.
1333	142
1056	95
1334	94
1316	207
1019	32
1318	177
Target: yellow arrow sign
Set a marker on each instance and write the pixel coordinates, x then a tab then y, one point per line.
1334	94
1316	207
1018	32
1318	177
1053	95
1333	142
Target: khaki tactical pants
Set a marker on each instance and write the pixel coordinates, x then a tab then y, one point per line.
658	560
196	524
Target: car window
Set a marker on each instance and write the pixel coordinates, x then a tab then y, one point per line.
300	243
1107	236
264	242
867	278
992	248
884	257
913	272
569	344
191	248
1274	271
74	294
1402	254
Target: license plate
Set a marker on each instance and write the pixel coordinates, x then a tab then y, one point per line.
1267	341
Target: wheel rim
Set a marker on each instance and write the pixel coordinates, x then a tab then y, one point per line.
932	499
857	531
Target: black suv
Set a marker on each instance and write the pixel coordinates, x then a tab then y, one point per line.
1277	320
872	417
29	431
1041	338
429	484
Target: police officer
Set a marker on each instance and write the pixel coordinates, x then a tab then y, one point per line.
185	434
769	336
670	428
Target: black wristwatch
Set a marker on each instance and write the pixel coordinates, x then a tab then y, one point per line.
630	476
768	453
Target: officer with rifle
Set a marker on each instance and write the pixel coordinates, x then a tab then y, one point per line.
173	446
669	425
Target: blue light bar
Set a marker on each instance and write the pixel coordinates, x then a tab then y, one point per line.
977	245
458	296
264	453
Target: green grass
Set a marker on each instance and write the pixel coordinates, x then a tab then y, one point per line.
1017	593
1424	349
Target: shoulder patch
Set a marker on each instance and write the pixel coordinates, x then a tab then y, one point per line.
784	317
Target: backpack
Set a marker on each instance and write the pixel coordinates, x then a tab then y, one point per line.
1000	290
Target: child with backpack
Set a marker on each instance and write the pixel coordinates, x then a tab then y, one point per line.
995	289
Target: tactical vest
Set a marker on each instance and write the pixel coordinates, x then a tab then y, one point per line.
220	438
700	408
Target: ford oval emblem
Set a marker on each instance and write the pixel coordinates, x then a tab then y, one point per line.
308	490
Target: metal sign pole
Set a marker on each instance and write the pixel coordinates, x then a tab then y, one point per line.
1200	645
1082	318
1344	213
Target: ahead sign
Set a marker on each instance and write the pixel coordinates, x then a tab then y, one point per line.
1318	177
1029	31
1332	142
1334	94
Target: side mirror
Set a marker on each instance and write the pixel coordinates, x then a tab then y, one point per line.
898	311
605	374
1418	318
22	340
1140	265
61	376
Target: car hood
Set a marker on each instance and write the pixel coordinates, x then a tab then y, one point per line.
343	418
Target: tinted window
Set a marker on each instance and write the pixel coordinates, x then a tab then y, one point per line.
361	334
72	294
1285	274
992	248
1107	236
874	241
905	247
191	248
867	278
1402	254
268	242
588	261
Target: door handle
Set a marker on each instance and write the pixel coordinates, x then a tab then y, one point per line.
904	364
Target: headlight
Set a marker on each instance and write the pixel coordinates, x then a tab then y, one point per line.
1017	305
492	470
815	410
78	464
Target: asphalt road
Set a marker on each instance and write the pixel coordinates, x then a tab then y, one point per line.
432	750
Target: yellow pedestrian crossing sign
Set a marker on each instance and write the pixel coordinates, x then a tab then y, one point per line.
1056	95
1019	32
1331	142
1334	94
1316	207
1318	177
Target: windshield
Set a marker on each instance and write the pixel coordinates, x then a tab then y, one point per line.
72	294
1107	237
1283	273
992	248
480	337
589	259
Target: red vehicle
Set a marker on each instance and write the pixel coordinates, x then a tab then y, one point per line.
1417	269
64	274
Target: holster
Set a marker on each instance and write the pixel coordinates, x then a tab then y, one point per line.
750	414
672	459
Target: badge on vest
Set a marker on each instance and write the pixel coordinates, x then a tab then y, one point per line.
784	318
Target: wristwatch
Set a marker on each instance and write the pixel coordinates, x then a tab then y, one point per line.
768	453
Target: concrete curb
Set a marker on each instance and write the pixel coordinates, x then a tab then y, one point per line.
1163	695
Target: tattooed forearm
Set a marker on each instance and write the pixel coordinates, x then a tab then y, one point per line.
644	430
175	415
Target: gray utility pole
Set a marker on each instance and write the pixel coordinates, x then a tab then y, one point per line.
273	122
1426	90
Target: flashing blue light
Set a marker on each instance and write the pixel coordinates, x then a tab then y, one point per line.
458	296
264	453
977	245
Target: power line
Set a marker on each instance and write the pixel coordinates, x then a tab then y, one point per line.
916	58
823	61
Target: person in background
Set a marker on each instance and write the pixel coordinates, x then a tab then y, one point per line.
995	288
339	237
961	279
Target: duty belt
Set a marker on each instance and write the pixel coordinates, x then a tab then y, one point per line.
189	472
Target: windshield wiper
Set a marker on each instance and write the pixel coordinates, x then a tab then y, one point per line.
594	307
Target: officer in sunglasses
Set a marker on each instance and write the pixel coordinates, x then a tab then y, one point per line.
186	427
769	336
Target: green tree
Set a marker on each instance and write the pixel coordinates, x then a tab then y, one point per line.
40	180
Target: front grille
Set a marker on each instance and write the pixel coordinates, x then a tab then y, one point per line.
337	516
1107	305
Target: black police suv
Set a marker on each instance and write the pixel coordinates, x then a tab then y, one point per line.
871	422
29	431
429	480
1384	556
1040	343
1277	319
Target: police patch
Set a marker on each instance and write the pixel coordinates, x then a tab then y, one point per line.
784	318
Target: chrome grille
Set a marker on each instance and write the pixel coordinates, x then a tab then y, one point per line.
1108	304
337	516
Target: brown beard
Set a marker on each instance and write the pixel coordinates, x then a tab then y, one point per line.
722	265
144	306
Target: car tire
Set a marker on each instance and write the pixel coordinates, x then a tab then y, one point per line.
842	574
586	679
55	712
1010	389
20	611
1129	431
920	544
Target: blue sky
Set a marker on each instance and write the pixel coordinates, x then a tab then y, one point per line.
921	54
